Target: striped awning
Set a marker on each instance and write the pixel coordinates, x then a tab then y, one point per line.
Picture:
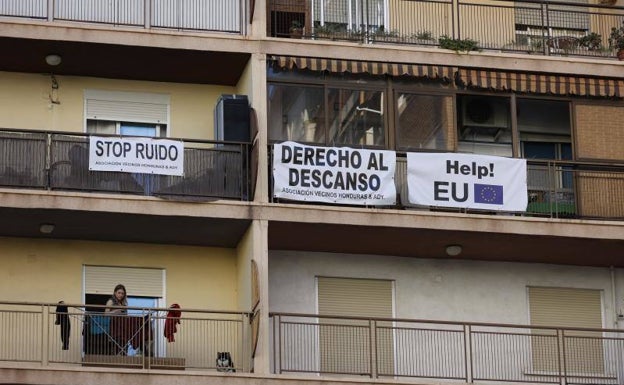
374	68
541	83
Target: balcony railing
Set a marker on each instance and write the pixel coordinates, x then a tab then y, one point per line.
401	348
200	15
60	161
529	26
556	189
143	338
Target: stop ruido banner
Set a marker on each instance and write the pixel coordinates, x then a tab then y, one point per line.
333	174
467	181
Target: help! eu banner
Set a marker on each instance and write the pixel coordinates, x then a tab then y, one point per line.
333	174
467	181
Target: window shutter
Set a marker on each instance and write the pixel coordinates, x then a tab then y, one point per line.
355	297
139	282
565	307
127	106
345	344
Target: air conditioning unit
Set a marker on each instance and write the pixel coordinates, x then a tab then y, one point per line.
479	111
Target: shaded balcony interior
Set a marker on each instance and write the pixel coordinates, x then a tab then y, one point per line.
123	62
530	27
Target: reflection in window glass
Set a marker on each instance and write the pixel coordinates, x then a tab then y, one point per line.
296	113
423	121
356	117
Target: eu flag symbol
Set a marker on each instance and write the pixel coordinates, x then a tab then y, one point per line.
488	193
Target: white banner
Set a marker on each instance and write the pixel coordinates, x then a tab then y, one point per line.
136	155
467	181
333	174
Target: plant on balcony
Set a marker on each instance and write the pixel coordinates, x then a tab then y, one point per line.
616	41
591	41
296	29
458	45
382	35
326	31
423	37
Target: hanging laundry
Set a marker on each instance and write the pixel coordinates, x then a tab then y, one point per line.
62	319
173	319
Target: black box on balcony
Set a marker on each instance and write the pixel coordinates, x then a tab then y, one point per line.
231	118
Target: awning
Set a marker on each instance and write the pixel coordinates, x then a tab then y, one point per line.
374	68
541	83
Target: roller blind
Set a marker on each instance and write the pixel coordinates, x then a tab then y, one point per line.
127	106
345	345
355	297
566	307
141	282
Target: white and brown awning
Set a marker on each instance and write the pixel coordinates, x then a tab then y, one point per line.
538	83
444	73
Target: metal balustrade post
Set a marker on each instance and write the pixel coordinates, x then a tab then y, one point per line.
45	335
244	344
147	13
561	357
469	368
51	10
374	364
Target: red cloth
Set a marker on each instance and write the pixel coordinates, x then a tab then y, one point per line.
173	318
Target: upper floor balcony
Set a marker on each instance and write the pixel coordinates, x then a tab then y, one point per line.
60	161
530	27
227	16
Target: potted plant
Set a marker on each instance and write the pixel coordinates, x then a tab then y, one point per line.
458	45
591	41
616	41
324	31
296	29
382	35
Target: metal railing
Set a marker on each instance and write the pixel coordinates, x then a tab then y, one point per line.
528	26
60	161
555	189
200	15
400	348
141	339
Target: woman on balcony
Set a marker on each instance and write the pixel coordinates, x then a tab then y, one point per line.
114	303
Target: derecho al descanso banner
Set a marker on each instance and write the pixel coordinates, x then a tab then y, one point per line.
467	181
136	155
333	174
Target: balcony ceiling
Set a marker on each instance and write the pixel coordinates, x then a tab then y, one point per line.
123	62
124	227
426	243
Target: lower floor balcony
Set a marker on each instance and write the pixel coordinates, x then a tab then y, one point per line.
472	352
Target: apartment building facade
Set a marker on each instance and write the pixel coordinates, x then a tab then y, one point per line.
212	99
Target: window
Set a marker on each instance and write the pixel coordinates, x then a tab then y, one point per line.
126	113
423	121
323	115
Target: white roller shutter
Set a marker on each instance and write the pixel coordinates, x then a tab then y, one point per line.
140	282
127	106
550	306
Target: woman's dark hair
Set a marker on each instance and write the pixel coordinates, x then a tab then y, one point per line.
122	287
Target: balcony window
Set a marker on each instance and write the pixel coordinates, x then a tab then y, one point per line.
423	121
346	117
126	113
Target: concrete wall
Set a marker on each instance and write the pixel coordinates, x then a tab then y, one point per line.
25	102
451	290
